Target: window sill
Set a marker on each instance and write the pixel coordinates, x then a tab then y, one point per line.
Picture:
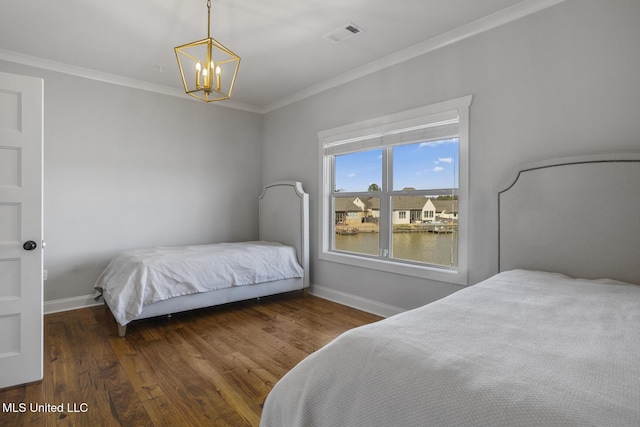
457	277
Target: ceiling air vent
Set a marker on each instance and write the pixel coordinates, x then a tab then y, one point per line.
343	33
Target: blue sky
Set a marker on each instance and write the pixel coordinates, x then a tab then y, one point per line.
422	166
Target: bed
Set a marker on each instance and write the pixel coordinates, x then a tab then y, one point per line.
151	282
550	340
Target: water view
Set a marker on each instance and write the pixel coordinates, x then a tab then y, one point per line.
431	248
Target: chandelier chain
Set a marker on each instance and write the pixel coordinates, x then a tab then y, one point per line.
208	19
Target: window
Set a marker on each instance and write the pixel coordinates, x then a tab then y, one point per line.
391	192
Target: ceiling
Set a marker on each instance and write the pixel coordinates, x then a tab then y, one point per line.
284	54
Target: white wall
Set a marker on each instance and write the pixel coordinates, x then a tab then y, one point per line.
126	168
562	82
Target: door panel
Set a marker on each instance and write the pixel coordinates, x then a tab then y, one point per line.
21	118
10	273
10	117
9	167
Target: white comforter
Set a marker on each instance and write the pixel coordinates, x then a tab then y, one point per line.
520	349
140	277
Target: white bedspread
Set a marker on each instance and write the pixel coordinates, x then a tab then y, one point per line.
520	349
140	277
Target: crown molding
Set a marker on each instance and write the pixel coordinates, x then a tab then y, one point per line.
497	19
115	79
481	25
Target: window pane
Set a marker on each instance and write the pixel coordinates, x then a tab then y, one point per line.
426	165
356	224
360	171
425	229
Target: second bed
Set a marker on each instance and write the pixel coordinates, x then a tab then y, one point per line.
144	283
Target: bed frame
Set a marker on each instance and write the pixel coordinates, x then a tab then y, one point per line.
579	216
284	218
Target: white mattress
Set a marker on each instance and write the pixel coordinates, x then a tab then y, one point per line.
523	348
140	277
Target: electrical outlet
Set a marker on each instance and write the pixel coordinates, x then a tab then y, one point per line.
45	274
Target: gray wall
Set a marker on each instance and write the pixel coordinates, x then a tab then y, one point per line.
126	168
562	82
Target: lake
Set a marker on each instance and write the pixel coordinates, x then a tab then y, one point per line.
431	248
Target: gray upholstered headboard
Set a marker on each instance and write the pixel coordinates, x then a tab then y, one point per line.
284	218
578	216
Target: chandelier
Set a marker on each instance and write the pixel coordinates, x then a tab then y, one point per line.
208	69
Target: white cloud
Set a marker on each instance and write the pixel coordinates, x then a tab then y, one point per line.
437	169
351	175
446	159
436	143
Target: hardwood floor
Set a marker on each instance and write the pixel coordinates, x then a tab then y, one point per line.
211	367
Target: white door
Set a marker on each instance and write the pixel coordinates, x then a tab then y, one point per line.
21	128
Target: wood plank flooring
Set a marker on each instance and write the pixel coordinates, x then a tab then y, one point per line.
212	367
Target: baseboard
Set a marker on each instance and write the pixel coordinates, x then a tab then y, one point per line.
66	304
370	306
354	301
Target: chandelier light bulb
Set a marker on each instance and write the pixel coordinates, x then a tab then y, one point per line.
218	77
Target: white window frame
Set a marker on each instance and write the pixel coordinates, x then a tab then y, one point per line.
396	129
